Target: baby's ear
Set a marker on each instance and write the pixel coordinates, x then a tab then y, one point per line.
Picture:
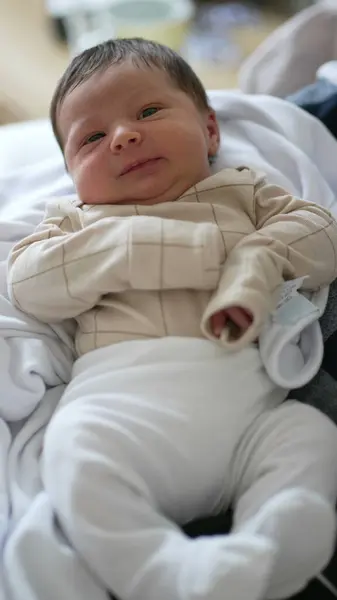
213	132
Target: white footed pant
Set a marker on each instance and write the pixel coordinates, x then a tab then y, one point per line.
150	435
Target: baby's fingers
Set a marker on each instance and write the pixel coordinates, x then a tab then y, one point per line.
218	322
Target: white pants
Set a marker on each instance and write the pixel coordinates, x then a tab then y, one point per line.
150	435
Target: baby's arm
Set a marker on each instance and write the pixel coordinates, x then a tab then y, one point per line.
293	238
63	269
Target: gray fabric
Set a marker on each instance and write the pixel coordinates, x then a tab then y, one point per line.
321	392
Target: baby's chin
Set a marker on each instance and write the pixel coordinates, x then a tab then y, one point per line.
167	196
148	192
158	194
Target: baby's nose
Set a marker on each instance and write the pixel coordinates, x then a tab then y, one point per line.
124	138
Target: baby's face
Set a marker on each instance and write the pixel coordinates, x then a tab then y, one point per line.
131	137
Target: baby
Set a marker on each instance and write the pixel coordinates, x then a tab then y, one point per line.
165	269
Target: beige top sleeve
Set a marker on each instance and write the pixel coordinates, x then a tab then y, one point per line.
63	269
293	238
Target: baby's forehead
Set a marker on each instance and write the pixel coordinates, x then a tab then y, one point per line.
127	74
122	84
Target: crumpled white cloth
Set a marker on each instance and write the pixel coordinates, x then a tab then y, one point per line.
35	362
34	358
292	352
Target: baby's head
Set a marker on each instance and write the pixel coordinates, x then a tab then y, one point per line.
134	123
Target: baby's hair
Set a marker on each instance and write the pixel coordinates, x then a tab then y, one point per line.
116	51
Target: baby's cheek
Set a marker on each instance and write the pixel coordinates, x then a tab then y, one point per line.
86	179
87	171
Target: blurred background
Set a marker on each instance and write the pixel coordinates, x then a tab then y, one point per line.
38	38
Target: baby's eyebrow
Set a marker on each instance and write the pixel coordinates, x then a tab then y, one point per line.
81	124
78	128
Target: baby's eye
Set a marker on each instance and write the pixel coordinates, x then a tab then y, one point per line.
94	137
148	112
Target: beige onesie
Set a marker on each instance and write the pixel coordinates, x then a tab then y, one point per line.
127	272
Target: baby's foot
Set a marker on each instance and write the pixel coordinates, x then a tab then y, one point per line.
302	526
236	566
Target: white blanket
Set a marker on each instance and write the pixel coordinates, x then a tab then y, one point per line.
264	133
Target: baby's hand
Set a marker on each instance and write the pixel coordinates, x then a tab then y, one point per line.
235	318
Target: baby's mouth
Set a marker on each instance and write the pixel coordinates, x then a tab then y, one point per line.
138	164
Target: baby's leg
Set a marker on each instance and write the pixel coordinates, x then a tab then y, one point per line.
286	475
103	480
